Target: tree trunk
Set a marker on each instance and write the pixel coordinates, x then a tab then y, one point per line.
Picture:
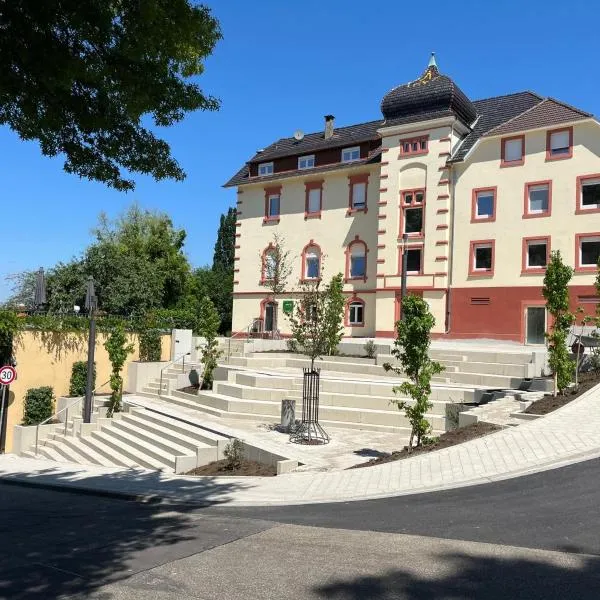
555	385
410	441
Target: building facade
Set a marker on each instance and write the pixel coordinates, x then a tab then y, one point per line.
476	193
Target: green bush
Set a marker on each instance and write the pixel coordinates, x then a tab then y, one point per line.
150	345
370	349
39	405
78	382
234	454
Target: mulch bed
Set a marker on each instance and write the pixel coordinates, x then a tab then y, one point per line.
450	438
547	404
190	389
248	468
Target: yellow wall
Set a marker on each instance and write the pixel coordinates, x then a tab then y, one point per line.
38	365
482	169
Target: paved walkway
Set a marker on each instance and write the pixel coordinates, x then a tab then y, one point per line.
568	435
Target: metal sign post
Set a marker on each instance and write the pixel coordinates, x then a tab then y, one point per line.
90	305
7	376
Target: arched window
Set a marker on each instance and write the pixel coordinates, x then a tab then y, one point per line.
356	260
311	261
268	314
355	312
269	263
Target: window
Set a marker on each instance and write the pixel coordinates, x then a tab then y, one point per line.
311	312
272	203
484	205
356	260
536	252
265	169
538	199
358	193
588	193
588	251
412	212
513	151
414	146
314	196
270	265
356	313
273	207
559	143
311	267
413	260
482	258
306	162
351	154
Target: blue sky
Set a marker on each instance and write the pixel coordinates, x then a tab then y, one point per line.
280	67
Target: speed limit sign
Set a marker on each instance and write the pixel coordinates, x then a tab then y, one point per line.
7	375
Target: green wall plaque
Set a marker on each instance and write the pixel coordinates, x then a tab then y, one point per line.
288	306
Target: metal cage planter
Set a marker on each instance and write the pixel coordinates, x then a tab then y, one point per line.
310	431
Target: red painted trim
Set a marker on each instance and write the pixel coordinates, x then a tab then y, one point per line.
263	304
444	168
382	216
382	176
352	181
443	196
441	154
413	204
352	300
412	246
441	274
385	149
410	142
274	190
312	185
348	253
578	208
263	262
441	258
442	226
578	266
380	231
443	182
442	243
380	261
382	203
445	139
382	190
480	272
526	213
512	163
384	163
380	246
442	211
238	224
474	193
237	247
236	270
549	149
237	235
525	270
311	244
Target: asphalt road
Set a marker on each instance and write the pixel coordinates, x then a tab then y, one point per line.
533	537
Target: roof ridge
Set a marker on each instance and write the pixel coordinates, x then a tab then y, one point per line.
511	94
515	117
570	107
335	129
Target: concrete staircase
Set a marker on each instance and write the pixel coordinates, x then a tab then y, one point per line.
137	438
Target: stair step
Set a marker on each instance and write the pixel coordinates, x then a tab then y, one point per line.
87	453
50	453
98	445
66	452
142	452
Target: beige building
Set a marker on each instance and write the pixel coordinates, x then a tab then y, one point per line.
476	193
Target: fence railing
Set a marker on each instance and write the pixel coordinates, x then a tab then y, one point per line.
168	366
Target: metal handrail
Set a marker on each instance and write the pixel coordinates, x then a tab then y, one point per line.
246	330
170	364
66	408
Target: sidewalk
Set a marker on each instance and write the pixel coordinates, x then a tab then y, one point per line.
568	435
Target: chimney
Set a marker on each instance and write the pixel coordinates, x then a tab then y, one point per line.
329	119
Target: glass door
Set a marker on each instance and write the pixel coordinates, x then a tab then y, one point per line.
535	325
269	316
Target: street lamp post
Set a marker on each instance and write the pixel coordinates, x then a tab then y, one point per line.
403	275
90	305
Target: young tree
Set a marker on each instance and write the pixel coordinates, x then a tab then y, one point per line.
84	77
225	244
208	329
118	349
334	313
411	349
276	268
316	319
556	293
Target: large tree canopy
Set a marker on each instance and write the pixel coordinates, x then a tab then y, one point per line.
79	76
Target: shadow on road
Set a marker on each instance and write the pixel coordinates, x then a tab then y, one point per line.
464	576
57	544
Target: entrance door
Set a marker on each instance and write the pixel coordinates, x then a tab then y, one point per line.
535	325
269	316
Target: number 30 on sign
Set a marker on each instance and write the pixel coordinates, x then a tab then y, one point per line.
7	375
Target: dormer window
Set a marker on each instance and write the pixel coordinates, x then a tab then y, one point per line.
351	154
265	169
513	151
306	162
559	143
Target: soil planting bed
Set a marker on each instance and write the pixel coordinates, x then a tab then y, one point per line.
248	468
450	438
547	404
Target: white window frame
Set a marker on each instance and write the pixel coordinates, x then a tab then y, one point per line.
310	158
267	167
591	238
352	150
566	149
355	304
270	264
358	250
513	141
480	247
584	182
270	215
312	253
314	193
535	243
485	194
356	186
534	187
420	249
405	220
